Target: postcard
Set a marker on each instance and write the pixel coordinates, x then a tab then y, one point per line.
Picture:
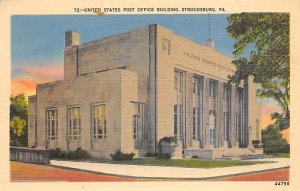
147	96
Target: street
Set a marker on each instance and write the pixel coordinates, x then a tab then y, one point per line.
31	172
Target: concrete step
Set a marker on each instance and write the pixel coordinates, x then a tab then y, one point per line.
247	157
223	158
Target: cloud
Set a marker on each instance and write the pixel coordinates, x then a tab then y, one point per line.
50	72
19	86
41	74
29	76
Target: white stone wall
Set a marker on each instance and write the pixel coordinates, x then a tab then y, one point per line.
128	92
128	50
84	91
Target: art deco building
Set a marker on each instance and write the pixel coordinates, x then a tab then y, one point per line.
129	90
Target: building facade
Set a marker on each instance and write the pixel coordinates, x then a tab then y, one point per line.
129	90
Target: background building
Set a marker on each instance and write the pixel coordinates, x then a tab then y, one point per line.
129	90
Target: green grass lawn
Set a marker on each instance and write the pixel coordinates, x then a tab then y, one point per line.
188	163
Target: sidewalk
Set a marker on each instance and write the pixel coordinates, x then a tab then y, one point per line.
160	172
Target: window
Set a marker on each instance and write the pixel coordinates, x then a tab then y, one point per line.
175	120
226	126
98	121
212	112
175	81
138	130
197	106
239	100
194	85
238	127
212	126
179	87
194	123
212	89
178	122
178	80
226	93
52	124
74	123
226	111
212	137
239	94
135	124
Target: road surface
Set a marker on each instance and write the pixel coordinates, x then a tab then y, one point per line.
31	172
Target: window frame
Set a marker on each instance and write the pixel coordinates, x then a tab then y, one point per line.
71	120
135	126
51	132
197	114
95	127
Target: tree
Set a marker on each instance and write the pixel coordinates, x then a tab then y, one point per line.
17	124
267	35
18	106
18	120
273	140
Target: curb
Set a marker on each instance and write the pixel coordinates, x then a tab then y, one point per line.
169	178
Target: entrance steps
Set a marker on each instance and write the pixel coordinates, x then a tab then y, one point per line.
224	153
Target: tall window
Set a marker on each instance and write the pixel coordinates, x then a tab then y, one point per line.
237	129
194	123
179	88
212	112
74	123
175	120
98	121
212	127
135	124
239	99
226	112
52	124
212	89
138	128
197	106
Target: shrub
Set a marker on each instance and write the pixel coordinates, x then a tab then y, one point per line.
160	154
80	153
271	149
55	153
71	155
168	140
194	157
273	141
150	154
119	156
64	154
165	140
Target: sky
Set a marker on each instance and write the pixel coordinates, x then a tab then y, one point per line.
37	43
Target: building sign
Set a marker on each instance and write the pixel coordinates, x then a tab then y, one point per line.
206	61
